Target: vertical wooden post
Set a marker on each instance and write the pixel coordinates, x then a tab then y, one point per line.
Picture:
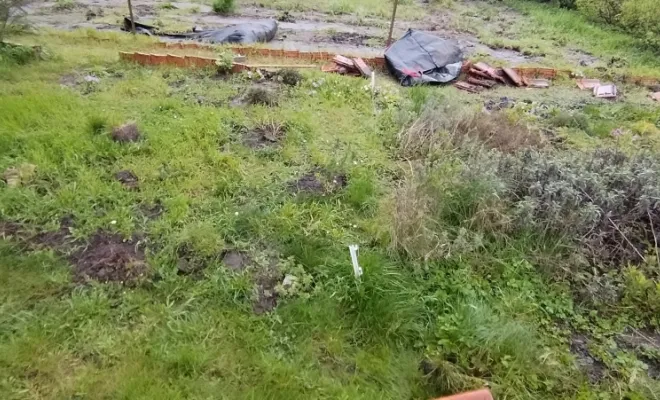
389	37
130	12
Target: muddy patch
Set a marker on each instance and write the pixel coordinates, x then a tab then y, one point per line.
236	260
581	58
266	293
319	182
267	134
126	133
349	38
108	258
595	369
128	179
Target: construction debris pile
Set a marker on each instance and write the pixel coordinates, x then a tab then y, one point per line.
481	76
603	91
348	66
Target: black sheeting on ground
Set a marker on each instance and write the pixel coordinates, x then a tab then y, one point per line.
419	58
249	32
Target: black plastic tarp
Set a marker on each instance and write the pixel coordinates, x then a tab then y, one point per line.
248	32
419	58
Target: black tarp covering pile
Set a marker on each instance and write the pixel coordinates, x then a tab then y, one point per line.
248	32
419	58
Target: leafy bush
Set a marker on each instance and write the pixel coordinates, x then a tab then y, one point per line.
570	120
223	6
608	11
605	201
16	54
642	18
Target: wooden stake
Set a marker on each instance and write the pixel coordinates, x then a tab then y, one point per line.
389	37
130	12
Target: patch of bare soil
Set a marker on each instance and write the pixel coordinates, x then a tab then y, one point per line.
108	258
349	38
319	182
126	133
266	281
266	134
581	58
594	368
236	260
128	179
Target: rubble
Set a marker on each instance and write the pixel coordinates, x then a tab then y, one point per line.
347	66
481	76
605	91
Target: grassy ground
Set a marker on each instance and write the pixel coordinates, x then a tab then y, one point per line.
450	299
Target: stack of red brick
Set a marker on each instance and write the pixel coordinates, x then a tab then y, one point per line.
481	76
347	66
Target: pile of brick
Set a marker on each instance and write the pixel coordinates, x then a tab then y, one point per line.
481	76
348	66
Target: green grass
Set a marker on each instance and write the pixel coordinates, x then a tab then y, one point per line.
490	315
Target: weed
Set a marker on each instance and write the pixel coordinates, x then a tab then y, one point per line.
223	6
290	77
64	5
565	119
97	124
258	95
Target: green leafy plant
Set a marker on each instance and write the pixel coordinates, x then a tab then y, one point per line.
223	6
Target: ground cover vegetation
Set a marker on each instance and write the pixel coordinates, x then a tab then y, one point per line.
169	233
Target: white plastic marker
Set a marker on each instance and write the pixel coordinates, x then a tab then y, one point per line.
354	253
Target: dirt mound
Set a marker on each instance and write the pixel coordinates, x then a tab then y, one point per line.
260	96
236	260
108	258
319	182
128	179
126	133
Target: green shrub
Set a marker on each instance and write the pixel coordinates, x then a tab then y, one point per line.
570	120
642	19
608	11
223	6
16	54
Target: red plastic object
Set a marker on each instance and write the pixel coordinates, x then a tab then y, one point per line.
483	394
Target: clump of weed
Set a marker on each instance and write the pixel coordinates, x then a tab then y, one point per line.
290	76
425	222
496	131
223	6
97	124
126	133
442	127
259	95
20	55
64	5
565	119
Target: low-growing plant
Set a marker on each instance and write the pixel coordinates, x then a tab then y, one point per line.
223	6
